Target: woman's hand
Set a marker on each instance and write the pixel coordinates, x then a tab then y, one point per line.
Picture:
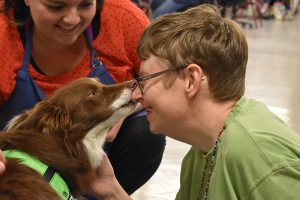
2	162
105	185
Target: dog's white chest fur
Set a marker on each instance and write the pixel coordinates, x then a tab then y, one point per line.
93	143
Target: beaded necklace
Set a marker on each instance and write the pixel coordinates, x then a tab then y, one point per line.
210	162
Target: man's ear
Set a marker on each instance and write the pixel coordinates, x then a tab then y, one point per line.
194	77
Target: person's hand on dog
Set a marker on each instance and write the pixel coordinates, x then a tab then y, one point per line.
2	162
105	185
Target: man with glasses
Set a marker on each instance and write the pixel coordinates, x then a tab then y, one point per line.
192	85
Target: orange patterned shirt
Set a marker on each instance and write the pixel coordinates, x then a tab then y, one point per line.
122	24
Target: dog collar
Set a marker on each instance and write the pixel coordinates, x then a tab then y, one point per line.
56	181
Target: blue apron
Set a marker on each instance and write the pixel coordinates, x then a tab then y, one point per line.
26	93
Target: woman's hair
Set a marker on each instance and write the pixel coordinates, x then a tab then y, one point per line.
18	12
201	36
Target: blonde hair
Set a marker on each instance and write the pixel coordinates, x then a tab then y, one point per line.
200	35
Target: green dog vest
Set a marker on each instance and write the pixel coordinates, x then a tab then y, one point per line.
56	182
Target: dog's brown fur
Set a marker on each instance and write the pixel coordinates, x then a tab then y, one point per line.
62	131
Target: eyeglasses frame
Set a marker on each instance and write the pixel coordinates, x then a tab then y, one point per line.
151	76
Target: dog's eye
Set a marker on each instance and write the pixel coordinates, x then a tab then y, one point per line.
92	93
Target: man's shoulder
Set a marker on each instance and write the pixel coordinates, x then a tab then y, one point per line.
266	144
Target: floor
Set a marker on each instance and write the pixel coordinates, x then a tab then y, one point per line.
273	76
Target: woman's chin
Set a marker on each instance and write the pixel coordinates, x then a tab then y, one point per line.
67	40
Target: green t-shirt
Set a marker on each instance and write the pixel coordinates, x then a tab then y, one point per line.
258	158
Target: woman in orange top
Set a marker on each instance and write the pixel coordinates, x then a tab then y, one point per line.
45	44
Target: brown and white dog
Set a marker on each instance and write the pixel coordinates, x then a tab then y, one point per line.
65	131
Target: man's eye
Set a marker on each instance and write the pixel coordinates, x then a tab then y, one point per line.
92	93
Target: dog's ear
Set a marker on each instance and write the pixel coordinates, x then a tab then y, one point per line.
54	120
45	118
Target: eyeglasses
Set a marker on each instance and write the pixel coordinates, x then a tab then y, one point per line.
141	79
